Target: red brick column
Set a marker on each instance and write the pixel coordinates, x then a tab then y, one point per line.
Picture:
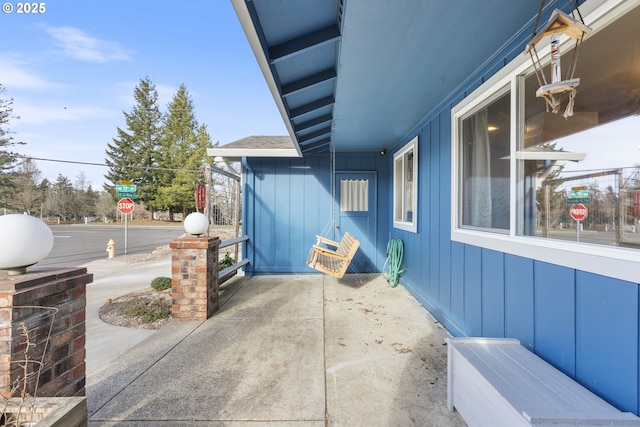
22	299
194	277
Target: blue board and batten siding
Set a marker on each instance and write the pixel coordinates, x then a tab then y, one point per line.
287	202
584	324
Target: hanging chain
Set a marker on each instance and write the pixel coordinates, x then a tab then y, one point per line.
332	149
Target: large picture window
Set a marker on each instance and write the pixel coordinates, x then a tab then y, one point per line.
405	187
565	190
590	160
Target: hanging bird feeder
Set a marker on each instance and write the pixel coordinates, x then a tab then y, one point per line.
554	91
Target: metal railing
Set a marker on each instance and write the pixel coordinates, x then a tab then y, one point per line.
231	271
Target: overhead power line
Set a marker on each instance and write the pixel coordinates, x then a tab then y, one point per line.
105	165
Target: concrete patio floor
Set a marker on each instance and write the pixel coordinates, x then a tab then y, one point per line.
294	350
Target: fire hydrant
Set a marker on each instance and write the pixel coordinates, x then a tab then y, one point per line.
111	249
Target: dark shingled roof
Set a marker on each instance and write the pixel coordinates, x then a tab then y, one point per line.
257	146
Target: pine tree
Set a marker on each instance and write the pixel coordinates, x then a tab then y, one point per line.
7	157
132	155
182	154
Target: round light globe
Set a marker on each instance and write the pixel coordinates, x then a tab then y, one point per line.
26	240
196	223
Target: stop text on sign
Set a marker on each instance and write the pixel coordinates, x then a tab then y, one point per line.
578	212
125	206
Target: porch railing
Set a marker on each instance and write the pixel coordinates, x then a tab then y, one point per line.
231	271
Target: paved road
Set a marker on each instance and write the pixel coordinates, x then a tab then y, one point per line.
75	245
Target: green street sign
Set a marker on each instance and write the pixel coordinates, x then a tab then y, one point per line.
126	195
125	188
578	196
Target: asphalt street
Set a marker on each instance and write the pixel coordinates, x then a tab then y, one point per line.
75	245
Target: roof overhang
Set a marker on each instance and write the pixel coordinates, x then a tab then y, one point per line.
364	76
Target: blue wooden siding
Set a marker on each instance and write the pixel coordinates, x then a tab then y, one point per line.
287	202
607	338
584	324
518	299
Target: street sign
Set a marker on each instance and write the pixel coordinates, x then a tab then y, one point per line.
125	188
126	191
125	206
578	212
578	195
127	195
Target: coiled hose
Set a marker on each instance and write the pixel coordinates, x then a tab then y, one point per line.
392	269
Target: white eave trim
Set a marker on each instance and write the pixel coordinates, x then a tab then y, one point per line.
250	152
242	12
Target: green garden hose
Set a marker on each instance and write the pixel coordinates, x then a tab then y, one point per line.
392	269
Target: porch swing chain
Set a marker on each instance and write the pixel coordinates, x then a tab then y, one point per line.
332	149
331	227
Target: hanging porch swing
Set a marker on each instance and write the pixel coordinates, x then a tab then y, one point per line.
559	23
327	255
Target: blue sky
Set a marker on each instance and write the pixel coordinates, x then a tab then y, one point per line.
72	70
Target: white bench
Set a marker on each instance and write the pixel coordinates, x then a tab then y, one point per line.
496	382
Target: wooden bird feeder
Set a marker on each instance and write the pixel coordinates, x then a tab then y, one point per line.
559	23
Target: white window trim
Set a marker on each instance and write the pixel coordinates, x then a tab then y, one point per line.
615	262
403	225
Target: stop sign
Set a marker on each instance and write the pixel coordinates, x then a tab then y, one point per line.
125	206
578	212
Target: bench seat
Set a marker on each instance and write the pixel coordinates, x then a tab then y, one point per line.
497	382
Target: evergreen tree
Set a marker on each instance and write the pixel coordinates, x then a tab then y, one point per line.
132	155
7	157
182	153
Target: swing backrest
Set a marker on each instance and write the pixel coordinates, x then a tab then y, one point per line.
348	246
333	262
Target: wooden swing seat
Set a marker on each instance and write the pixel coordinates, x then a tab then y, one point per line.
333	262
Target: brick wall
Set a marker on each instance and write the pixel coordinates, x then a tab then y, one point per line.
194	277
22	302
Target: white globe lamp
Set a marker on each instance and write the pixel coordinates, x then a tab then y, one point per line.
196	224
26	241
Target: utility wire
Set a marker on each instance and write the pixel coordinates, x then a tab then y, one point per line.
105	165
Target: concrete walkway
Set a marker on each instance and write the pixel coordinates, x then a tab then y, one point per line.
305	350
111	279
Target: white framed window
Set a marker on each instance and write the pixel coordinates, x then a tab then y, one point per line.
405	187
484	164
552	163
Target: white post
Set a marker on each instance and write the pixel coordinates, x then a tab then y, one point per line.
126	232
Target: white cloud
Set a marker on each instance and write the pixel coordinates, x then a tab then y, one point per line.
16	74
79	45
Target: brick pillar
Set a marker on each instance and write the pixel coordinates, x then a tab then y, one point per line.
194	281
22	301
